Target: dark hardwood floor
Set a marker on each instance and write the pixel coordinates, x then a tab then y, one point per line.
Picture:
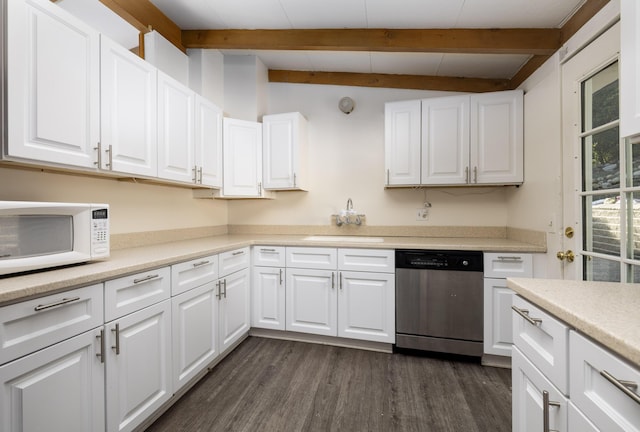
274	385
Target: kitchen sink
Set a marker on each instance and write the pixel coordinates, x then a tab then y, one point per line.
353	239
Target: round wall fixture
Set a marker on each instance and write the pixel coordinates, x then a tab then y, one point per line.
346	105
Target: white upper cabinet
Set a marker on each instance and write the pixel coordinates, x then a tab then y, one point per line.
629	68
445	140
52	76
497	138
128	112
284	147
402	126
208	143
469	139
176	102
242	153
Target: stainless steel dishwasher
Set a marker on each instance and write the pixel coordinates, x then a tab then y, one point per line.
439	301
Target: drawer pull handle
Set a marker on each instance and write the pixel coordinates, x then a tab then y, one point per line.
54	304
267	250
102	346
146	278
224	283
624	386
219	290
546	403
201	263
238	253
280	276
117	345
510	258
524	313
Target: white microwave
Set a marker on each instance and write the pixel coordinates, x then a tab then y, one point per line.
40	235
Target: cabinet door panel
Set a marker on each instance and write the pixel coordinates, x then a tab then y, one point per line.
498	329
242	144
235	307
311	301
268	298
56	123
128	111
445	140
208	142
58	389
402	129
366	306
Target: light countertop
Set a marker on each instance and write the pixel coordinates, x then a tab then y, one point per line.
608	312
139	259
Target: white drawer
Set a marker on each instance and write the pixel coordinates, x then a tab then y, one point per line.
131	293
545	343
608	407
232	261
312	258
504	265
369	260
191	274
34	324
269	256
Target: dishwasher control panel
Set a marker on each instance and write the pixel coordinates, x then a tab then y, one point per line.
439	260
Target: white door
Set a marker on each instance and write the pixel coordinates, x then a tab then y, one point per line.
208	143
497	138
445	140
242	153
138	365
176	103
235	307
128	112
402	128
600	169
498	329
194	321
311	301
57	389
53	87
268	298
366	306
279	144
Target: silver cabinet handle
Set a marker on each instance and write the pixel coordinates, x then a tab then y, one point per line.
117	345
110	151
340	281
524	313
466	175
259	188
387	177
199	175
55	304
219	292
622	385
294	179
224	282
201	263
98	163
102	344
240	252
510	258
194	174
475	174
267	250
333	280
546	403
280	276
145	279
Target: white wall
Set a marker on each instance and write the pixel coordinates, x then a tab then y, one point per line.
245	87
346	155
206	75
134	207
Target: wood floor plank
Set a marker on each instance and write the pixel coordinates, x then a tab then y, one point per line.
274	385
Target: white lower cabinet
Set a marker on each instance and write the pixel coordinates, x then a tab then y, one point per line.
138	365
535	398
311	301
57	389
268	298
578	422
234	307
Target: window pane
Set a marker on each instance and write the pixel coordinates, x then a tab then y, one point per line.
601	224
633	164
600	98
633	226
601	156
598	269
634	274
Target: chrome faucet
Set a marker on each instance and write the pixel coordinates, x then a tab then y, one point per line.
345	215
349	204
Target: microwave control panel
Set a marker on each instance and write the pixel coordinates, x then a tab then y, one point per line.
100	232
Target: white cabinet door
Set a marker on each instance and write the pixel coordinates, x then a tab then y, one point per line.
578	422
176	103
128	111
445	140
194	318
366	306
208	143
497	138
268	298
629	68
53	88
57	389
402	129
311	301
528	409
138	366
235	307
284	151
242	154
498	328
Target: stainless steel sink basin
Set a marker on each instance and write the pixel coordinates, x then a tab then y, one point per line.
352	239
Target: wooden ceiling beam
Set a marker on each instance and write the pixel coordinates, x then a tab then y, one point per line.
482	41
144	15
415	82
580	18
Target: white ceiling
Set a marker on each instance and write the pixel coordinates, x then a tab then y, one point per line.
305	14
